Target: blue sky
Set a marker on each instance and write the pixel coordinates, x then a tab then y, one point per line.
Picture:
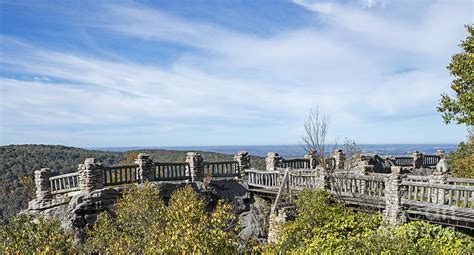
170	73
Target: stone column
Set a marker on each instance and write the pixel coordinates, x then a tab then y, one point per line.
273	161
91	175
243	159
363	165
417	160
275	225
437	195
393	212
313	159
339	158
146	170
323	178
43	188
196	166
441	153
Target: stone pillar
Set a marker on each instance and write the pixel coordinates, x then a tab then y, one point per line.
323	178
243	159
43	188
91	175
196	166
339	158
393	212
437	195
313	159
441	153
273	161
363	165
417	160
275	225
146	170
442	167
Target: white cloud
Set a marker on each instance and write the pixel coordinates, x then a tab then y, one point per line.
360	67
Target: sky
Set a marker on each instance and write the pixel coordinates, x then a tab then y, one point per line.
187	73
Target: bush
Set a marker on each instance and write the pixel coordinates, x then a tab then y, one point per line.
415	238
144	224
461	161
324	225
23	235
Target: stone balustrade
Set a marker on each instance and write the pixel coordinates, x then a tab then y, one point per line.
400	195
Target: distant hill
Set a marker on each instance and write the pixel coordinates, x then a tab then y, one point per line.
22	160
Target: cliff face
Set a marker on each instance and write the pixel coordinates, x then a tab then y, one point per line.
81	210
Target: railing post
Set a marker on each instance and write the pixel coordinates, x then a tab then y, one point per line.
313	159
323	179
339	158
145	170
417	160
273	161
363	166
243	159
196	166
43	188
91	175
442	166
441	153
438	178
393	212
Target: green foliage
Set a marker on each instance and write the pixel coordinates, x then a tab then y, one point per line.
28	183
23	160
460	108
144	224
24	236
461	161
415	238
323	224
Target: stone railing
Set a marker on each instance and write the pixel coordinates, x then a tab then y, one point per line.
64	183
93	175
222	169
437	198
418	160
122	174
296	163
171	172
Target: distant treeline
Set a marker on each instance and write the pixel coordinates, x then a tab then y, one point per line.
17	161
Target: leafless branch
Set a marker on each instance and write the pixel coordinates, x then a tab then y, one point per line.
314	137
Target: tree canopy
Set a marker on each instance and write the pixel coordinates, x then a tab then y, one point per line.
460	107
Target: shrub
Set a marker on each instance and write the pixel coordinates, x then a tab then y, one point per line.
144	224
461	161
23	235
323	224
415	238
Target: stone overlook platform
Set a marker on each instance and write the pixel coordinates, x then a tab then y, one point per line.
403	188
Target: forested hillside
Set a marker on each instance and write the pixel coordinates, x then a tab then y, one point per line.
17	161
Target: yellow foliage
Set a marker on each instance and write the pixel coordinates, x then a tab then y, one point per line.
461	161
144	224
23	235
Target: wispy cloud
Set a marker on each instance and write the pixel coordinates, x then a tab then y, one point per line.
359	65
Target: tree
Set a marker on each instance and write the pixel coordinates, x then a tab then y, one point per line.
460	108
314	137
26	235
461	161
144	224
324	226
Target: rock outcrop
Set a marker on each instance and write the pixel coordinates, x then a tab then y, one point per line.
82	209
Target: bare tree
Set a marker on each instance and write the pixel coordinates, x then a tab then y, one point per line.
353	153
314	137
